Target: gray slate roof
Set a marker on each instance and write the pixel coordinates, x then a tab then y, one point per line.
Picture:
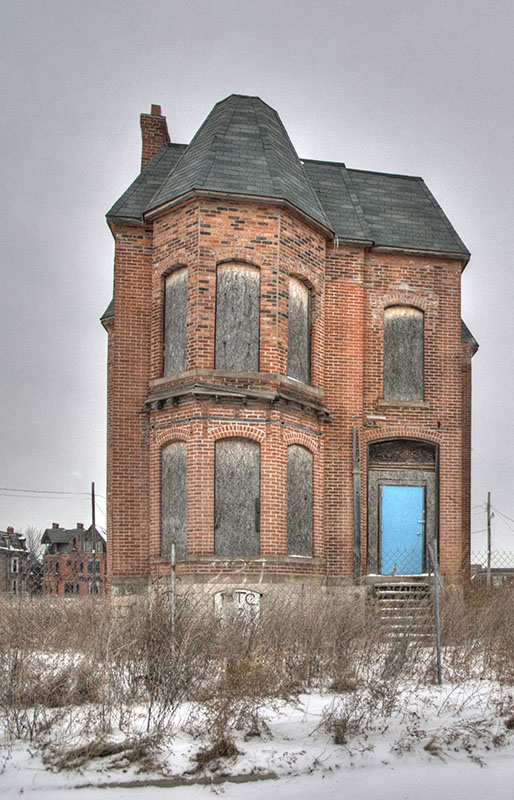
467	336
109	311
12	541
389	210
134	201
66	535
242	148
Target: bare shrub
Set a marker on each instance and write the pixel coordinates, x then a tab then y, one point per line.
138	749
478	633
222	748
74	671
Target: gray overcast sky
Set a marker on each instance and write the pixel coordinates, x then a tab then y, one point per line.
409	86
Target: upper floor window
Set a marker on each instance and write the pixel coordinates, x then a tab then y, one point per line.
175	318
237	497
237	318
299	331
403	354
173	498
14	565
299	501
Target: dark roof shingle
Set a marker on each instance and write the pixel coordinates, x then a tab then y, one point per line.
242	148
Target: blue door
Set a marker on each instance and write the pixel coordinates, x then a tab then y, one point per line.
402	529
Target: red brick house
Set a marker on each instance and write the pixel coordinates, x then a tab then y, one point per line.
75	561
289	380
14	556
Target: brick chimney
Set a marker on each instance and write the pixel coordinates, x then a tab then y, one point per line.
80	526
10	529
55	524
154	131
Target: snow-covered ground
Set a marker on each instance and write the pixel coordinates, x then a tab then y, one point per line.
454	741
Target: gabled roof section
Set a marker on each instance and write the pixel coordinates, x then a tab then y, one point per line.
66	535
133	202
242	148
390	210
467	336
332	185
109	311
12	541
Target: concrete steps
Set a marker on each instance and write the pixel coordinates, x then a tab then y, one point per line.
405	608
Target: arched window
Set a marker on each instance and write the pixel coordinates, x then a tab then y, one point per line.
175	315
237	497
173	498
237	318
299	331
403	354
299	501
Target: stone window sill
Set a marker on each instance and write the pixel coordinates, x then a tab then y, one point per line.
250	376
403	403
202	558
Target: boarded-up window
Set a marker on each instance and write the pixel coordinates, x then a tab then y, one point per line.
236	497
299	501
175	314
237	318
173	498
403	354
299	334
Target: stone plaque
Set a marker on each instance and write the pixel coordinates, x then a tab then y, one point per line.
237	605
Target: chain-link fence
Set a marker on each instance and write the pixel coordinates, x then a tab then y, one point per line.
502	567
398	561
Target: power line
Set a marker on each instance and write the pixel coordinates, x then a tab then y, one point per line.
34	496
501	512
54	492
505	523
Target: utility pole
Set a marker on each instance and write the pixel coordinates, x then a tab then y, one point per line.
94	588
488	540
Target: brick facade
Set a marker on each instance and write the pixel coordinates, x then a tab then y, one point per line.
69	567
14	566
350	285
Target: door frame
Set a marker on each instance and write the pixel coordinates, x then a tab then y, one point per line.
389	483
401	475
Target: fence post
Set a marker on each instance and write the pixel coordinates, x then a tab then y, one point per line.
488	540
437	614
172	598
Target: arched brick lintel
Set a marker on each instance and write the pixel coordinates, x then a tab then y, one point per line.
228	430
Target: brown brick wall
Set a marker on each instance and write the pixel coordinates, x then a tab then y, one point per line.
350	288
59	569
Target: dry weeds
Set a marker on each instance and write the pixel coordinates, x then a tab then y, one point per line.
72	671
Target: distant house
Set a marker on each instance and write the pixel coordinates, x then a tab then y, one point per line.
13	562
500	576
69	567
